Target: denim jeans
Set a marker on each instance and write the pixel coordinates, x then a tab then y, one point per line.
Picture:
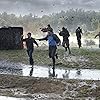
30	56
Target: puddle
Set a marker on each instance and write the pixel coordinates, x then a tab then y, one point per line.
84	74
39	98
13	98
54	97
39	71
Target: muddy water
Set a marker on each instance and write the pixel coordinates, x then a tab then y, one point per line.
39	71
13	98
86	74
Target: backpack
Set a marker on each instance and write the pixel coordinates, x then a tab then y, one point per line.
78	31
64	33
56	38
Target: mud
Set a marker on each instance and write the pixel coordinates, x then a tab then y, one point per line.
19	87
20	69
48	89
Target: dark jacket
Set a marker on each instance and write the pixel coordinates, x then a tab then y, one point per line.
78	32
29	43
49	29
65	34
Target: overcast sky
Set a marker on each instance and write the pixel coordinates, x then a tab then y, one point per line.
41	7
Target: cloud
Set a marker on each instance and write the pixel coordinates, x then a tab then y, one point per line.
41	7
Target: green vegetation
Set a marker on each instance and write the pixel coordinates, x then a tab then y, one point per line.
84	58
88	20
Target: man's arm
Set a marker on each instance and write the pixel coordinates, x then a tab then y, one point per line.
45	38
61	34
68	33
81	31
35	42
23	40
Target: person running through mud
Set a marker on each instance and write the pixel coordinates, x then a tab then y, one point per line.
99	38
53	41
78	35
65	34
30	47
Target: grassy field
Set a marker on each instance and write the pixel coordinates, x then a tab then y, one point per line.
80	58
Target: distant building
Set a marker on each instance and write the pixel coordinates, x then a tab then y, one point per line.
10	38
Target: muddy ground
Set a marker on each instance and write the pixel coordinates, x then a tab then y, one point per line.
49	89
80	58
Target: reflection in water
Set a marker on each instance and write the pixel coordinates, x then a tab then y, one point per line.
12	98
78	72
52	74
31	71
66	74
7	67
39	71
11	71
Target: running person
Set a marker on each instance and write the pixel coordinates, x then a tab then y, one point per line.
30	47
78	35
53	41
65	34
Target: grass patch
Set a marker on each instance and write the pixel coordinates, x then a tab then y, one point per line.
41	57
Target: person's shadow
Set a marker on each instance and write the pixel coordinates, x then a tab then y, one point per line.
31	71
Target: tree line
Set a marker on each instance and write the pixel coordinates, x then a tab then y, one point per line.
88	20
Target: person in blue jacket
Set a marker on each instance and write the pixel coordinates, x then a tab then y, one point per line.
53	41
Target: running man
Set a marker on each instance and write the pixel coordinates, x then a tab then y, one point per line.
53	41
78	35
30	47
65	34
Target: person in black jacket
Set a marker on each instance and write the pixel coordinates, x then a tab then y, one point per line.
65	34
78	35
48	28
30	47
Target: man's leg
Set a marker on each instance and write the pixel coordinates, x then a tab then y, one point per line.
53	59
53	72
50	51
56	55
30	57
63	44
53	55
79	42
31	71
69	50
67	44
